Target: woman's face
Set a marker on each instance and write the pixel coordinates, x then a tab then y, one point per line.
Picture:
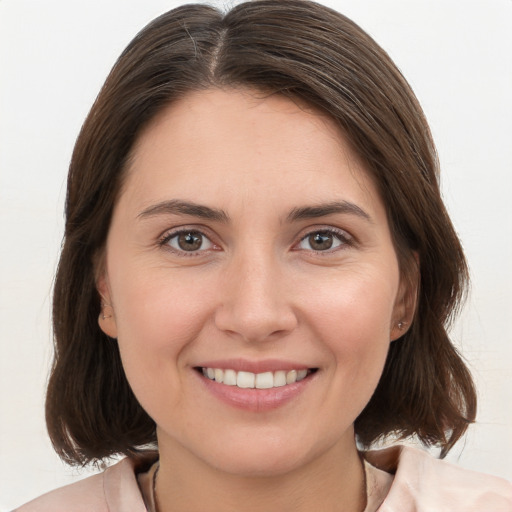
249	248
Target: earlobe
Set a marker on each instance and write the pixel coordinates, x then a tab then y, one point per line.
404	313
107	318
107	321
405	305
398	329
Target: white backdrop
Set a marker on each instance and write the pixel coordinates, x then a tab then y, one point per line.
54	56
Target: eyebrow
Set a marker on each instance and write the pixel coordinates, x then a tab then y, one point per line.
322	210
179	207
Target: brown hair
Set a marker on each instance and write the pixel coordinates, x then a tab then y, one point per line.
302	50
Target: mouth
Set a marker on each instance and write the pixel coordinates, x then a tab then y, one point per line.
249	380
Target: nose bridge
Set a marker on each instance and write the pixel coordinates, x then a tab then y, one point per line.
258	279
254	303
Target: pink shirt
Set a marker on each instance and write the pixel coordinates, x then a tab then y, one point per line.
399	479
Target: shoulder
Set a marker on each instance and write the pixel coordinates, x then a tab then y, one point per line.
423	483
113	490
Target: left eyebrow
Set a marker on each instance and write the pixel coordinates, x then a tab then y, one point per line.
177	207
322	210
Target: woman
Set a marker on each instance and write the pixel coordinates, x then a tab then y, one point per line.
258	271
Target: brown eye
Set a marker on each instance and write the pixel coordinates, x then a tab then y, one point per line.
323	240
320	241
189	241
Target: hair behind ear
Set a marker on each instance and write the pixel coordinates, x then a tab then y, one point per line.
91	412
425	391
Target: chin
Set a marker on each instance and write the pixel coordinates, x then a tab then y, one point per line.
269	454
263	464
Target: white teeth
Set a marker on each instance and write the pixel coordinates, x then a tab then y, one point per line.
229	377
219	375
265	380
291	376
245	379
279	379
301	374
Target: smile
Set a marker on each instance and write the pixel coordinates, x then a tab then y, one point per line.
249	380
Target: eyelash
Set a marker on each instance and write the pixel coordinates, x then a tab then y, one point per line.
343	237
167	237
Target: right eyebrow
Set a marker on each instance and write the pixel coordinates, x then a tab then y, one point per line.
323	210
179	207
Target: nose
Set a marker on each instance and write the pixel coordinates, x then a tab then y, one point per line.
255	303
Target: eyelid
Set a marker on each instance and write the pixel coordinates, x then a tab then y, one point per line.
347	240
169	234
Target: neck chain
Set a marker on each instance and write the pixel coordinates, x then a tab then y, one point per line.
153	497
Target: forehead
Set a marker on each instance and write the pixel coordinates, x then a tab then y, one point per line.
242	142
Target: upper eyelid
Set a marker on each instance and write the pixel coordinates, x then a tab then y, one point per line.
171	232
326	228
167	236
346	238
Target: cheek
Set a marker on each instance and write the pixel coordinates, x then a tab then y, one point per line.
158	323
352	317
354	305
159	315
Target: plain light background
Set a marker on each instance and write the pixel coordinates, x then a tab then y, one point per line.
54	56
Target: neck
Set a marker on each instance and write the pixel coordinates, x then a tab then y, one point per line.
334	481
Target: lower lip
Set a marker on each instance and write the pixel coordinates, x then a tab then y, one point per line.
256	400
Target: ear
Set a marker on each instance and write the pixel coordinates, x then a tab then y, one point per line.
406	300
107	317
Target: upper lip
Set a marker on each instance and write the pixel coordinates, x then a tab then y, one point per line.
261	366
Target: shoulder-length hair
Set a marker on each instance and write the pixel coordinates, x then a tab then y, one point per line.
304	51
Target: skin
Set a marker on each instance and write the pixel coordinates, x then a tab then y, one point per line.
256	289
